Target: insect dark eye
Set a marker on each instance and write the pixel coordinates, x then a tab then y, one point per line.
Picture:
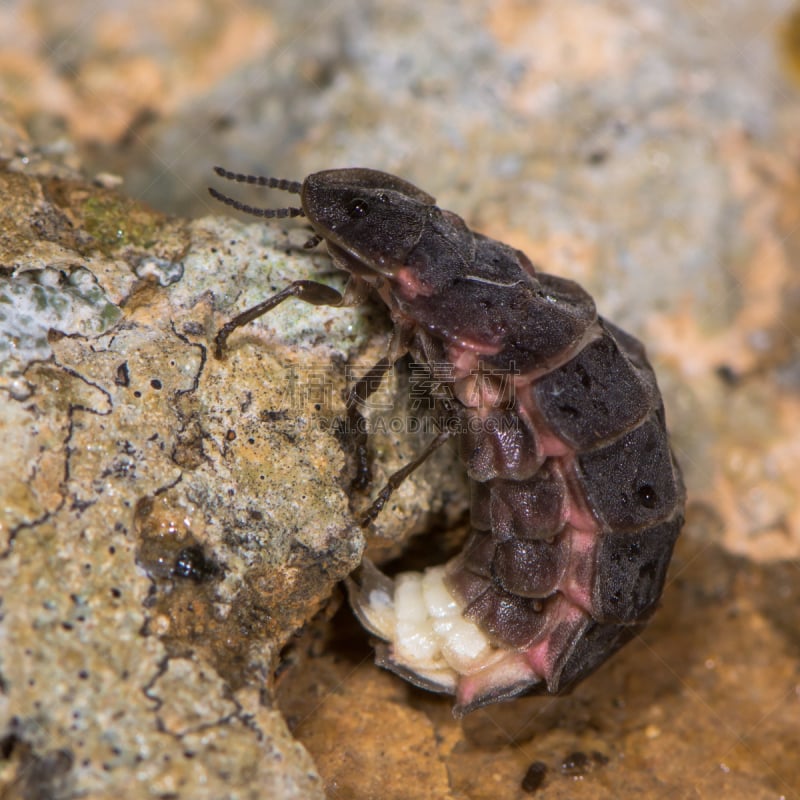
357	208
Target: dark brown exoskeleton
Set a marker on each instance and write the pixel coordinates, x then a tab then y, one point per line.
576	498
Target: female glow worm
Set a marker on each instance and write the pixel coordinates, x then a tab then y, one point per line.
576	498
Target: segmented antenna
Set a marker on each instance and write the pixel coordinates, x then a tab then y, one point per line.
269	213
292	187
259	180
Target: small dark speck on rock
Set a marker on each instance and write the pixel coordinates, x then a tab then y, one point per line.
728	375
534	777
122	377
192	563
597	157
193	329
575	764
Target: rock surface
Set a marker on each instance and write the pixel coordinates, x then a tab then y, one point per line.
169	520
168	526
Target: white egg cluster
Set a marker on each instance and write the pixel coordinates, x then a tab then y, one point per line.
428	635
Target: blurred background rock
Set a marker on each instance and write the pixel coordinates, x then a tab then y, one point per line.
650	151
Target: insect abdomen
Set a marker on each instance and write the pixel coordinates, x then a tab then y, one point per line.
570	562
577	501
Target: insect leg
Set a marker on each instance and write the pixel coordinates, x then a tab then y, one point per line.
317	294
397	478
361	392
